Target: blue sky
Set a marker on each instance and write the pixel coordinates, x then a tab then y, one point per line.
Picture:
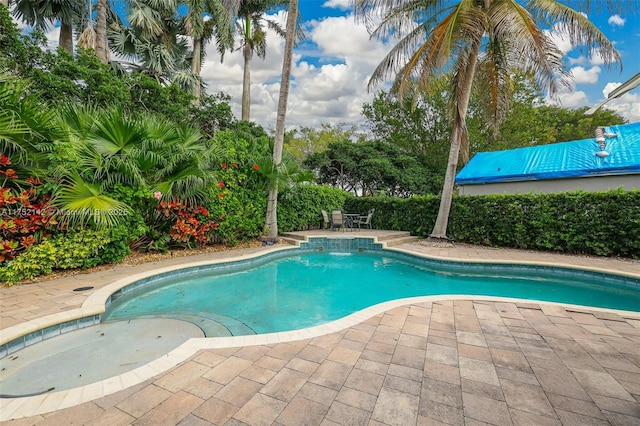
332	67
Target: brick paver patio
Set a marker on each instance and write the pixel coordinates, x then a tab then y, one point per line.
467	361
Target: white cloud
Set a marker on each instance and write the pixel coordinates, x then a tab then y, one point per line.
338	4
560	37
627	105
616	20
328	86
610	87
570	99
582	75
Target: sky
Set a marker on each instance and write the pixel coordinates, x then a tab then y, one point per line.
333	64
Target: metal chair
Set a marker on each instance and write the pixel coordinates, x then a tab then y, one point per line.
365	220
337	219
325	219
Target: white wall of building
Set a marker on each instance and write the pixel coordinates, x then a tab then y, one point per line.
591	183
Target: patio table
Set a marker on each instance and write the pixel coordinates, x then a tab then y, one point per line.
349	220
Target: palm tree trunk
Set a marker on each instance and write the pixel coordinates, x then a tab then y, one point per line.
195	69
102	46
271	224
246	81
66	37
458	132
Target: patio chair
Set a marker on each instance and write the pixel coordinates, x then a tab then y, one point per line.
337	219
325	219
365	220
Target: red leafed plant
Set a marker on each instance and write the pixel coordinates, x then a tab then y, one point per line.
24	217
191	223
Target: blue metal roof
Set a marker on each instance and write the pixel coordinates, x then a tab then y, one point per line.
558	160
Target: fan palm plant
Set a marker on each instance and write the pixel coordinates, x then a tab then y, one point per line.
480	42
27	128
153	41
42	13
144	153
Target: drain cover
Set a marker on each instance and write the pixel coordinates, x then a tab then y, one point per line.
82	288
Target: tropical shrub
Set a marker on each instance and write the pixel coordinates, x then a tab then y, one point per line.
239	197
71	250
25	217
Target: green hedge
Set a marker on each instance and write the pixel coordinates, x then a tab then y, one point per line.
299	208
599	223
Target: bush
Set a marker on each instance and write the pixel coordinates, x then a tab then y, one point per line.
80	250
299	208
598	223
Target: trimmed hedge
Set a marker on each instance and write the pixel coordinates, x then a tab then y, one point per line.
299	208
598	223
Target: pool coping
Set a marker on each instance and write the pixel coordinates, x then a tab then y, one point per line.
11	408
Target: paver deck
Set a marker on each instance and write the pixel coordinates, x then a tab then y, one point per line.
460	361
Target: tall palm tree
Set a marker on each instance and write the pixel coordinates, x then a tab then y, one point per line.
251	27
201	31
480	42
42	13
96	39
153	40
102	44
271	222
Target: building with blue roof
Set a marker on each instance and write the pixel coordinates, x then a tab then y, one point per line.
610	162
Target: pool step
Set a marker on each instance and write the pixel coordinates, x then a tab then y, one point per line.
390	239
402	240
211	324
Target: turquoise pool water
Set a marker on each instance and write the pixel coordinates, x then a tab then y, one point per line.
309	289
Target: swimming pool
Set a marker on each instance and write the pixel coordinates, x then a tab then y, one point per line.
312	288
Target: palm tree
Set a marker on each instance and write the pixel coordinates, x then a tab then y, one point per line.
102	44
201	31
153	40
41	13
96	39
251	26
271	222
480	42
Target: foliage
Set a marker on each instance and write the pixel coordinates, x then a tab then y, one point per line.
417	124
299	208
302	142
18	52
27	129
239	199
25	217
416	214
72	250
373	167
189	224
569	125
598	223
62	78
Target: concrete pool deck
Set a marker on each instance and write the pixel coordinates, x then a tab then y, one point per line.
438	360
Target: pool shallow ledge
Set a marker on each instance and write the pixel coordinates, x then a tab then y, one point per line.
13	408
